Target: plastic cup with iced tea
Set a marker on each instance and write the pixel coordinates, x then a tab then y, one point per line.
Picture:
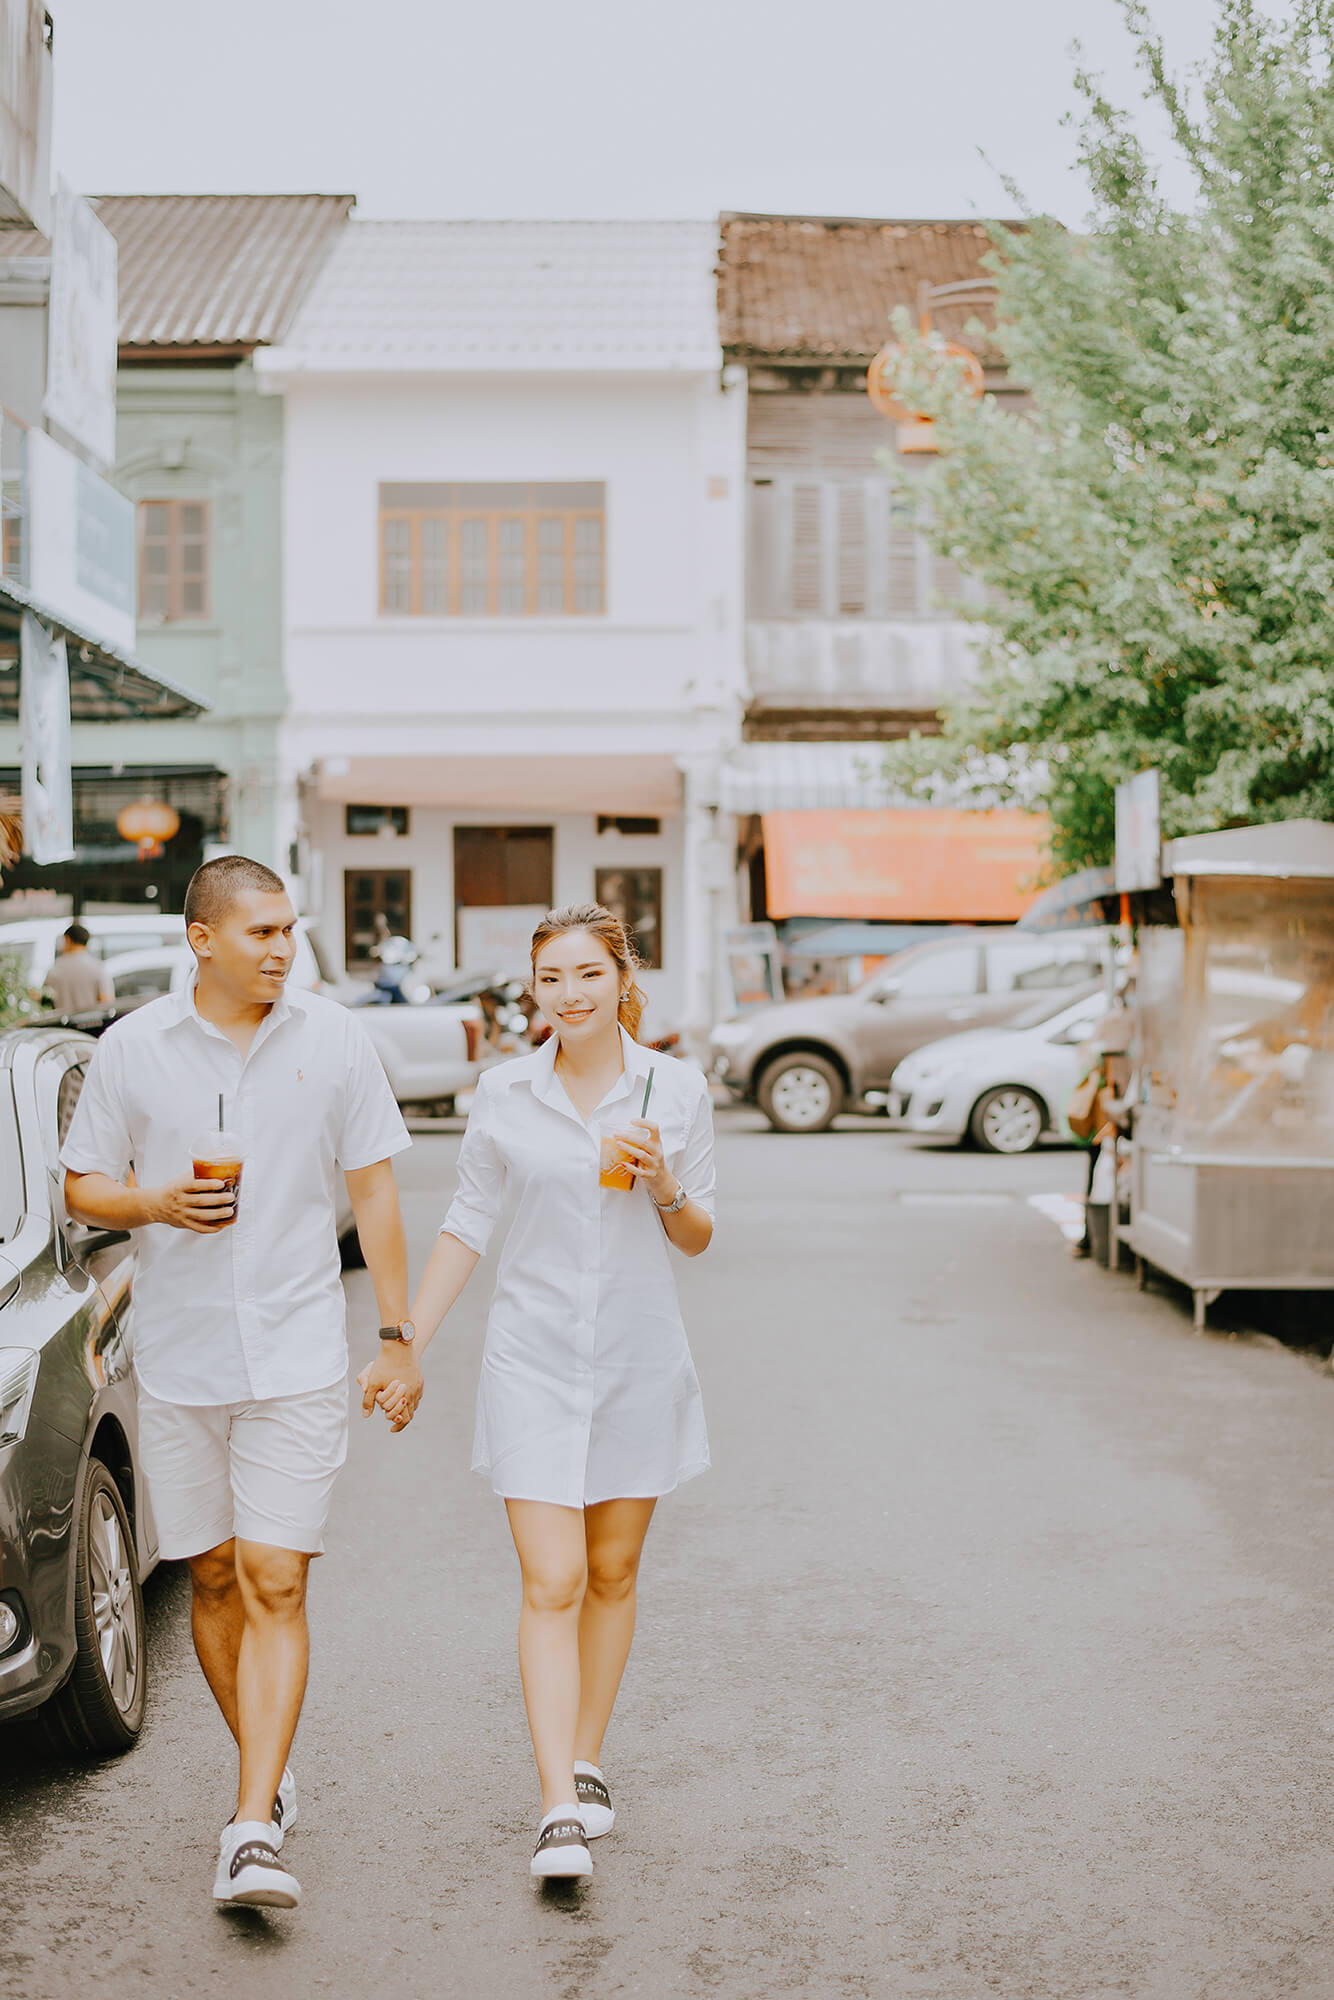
615	1164
218	1157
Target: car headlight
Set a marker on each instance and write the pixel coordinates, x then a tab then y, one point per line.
18	1379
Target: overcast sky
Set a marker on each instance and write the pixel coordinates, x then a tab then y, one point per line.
596	107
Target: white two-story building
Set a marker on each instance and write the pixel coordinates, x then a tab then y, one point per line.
514	632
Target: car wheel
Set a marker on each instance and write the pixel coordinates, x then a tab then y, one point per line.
1008	1120
101	1706
801	1093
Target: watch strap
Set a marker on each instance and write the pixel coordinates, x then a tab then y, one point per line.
396	1333
675	1205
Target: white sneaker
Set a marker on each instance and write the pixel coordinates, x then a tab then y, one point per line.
249	1872
595	1807
562	1845
284	1806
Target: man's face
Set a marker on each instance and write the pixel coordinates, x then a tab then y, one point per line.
248	953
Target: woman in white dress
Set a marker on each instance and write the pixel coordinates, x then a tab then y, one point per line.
589	1407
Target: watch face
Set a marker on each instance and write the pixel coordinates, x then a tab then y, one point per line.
407	1329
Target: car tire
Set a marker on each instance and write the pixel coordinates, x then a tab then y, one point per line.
801	1092
100	1709
1008	1120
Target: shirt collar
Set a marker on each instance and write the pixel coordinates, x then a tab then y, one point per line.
182	1008
547	1085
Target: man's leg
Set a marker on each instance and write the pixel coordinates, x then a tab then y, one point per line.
217	1620
271	1669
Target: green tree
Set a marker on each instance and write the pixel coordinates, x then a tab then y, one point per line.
1157	529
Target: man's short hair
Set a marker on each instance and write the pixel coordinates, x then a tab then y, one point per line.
215	887
76	934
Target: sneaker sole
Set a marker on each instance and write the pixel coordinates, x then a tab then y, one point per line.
560	1863
259	1892
599	1832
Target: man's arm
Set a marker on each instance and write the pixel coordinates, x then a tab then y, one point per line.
203	1206
374	1195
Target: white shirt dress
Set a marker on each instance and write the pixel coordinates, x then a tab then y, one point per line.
588	1390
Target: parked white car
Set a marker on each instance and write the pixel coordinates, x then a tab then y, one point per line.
37	939
1001	1087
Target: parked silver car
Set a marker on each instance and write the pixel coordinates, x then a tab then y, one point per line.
76	1528
806	1060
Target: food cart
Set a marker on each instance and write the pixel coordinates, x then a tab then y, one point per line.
1233	1143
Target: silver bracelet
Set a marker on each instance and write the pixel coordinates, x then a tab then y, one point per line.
675	1205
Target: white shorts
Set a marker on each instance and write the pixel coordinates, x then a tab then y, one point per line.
263	1472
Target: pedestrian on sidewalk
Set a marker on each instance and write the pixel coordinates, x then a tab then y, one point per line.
589	1407
240	1343
77	982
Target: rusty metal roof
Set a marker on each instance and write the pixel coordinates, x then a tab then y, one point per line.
203	272
821	288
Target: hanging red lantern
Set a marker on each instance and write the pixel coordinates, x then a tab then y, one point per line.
148	823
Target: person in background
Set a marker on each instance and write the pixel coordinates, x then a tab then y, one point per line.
77	982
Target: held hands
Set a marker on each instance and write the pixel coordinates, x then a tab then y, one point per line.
394	1381
203	1206
643	1142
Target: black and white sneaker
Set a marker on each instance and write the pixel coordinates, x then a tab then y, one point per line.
250	1875
595	1807
284	1806
562	1845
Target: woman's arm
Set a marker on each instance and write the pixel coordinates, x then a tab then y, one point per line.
448	1270
690	1228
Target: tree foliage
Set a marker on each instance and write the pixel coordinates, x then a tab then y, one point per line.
1157	529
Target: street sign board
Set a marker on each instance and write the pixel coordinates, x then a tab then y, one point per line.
81	328
25	115
1139	833
81	551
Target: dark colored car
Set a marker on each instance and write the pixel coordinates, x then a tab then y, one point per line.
804	1061
76	1530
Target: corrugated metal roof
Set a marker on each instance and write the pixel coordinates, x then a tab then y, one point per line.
553	295
198	271
106	686
217	270
816	288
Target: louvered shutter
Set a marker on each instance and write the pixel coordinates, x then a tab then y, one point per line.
807	549
851	563
903	566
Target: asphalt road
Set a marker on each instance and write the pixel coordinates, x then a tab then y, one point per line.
993	1657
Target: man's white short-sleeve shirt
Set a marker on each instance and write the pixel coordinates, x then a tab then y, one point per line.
256	1311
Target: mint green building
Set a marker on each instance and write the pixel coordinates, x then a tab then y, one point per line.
203	281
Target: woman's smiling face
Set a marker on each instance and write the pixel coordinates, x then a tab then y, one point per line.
576	986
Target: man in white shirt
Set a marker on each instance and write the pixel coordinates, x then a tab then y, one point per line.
240	1343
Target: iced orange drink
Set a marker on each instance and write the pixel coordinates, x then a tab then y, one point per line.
615	1164
219	1158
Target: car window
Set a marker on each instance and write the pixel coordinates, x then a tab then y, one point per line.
938	974
1050	1005
11	1164
1037	967
143	981
71	1085
111	944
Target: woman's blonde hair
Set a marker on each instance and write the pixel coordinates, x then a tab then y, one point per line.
607	926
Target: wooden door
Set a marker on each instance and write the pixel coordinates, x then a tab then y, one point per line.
499	867
368	893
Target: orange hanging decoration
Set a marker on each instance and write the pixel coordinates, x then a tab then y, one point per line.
916	432
149	824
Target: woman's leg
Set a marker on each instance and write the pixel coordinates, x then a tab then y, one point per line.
550	1542
614	1534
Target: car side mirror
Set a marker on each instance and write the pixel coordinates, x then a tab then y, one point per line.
884	994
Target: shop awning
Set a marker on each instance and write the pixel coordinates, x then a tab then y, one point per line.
920	864
797	777
105	684
560	783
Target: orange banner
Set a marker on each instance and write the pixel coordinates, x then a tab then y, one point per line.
923	865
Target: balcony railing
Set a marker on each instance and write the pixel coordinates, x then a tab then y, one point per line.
867	663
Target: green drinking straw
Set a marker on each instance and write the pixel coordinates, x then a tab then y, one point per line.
648	1092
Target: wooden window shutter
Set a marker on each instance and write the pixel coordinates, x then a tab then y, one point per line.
807	549
851	562
903	567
